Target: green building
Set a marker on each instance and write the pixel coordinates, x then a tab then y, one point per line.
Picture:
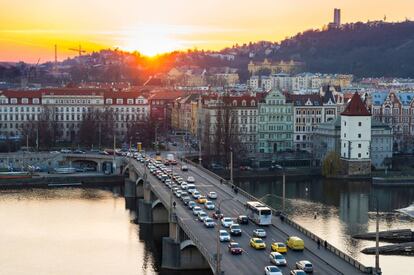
275	131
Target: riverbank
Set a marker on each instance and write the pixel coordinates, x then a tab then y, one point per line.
297	173
56	180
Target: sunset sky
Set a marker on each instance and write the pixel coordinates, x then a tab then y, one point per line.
29	29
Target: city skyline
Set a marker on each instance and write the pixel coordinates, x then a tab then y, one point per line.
30	30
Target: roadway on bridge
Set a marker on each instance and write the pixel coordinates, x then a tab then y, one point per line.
252	261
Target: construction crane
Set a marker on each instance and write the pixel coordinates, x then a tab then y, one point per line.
79	50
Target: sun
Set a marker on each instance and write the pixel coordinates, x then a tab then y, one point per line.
150	41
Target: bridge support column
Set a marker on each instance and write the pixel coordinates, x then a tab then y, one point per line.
129	188
144	211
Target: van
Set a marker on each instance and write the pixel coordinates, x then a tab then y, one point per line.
295	243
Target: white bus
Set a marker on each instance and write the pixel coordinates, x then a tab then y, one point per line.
259	213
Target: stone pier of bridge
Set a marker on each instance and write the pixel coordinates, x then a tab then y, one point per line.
179	252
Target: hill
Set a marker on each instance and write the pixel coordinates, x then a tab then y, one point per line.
363	49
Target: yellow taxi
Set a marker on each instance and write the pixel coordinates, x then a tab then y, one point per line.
257	243
201	199
279	247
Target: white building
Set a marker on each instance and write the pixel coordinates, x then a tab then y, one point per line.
67	107
356	137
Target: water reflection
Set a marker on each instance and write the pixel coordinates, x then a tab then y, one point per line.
342	209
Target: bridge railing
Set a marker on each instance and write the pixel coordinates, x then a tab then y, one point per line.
333	249
203	250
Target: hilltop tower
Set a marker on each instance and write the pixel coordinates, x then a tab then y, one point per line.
356	138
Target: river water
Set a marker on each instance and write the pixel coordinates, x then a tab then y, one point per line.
342	209
70	231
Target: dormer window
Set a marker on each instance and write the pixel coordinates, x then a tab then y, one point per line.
253	103
109	101
244	103
13	101
25	100
119	101
130	101
234	102
35	101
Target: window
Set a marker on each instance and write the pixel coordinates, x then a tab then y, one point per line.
359	123
109	101
359	145
359	135
25	100
359	155
13	100
119	101
130	101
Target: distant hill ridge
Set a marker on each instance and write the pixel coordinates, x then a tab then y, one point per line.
363	49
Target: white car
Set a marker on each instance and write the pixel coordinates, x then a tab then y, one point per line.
196	210
196	194
259	233
190	179
224	236
191	188
209	205
202	215
209	222
277	258
212	195
184	168
226	222
305	266
272	270
184	186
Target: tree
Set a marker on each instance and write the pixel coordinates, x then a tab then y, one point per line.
331	165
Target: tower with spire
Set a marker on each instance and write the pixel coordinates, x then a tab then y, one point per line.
356	138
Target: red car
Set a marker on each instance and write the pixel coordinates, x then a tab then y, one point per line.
235	249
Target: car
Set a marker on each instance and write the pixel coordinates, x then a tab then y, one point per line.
305	266
178	193
259	232
196	210
279	247
297	272
217	215
173	162
295	243
65	151
184	186
196	195
201	199
226	222
245	168
201	216
191	188
209	222
212	195
277	258
190	179
224	236
272	270
186	199
184	168
257	243
235	230
209	205
235	249
242	219
191	204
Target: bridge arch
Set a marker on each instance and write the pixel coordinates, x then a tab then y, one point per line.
156	203
186	243
86	164
160	213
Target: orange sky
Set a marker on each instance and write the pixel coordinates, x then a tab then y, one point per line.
29	29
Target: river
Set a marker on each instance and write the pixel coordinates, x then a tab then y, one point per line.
74	231
342	209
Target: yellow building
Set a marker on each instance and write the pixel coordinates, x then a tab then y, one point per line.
275	67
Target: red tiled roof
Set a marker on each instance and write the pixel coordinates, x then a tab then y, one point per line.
165	94
356	107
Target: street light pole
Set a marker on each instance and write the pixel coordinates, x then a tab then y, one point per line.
284	190
231	165
377	267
